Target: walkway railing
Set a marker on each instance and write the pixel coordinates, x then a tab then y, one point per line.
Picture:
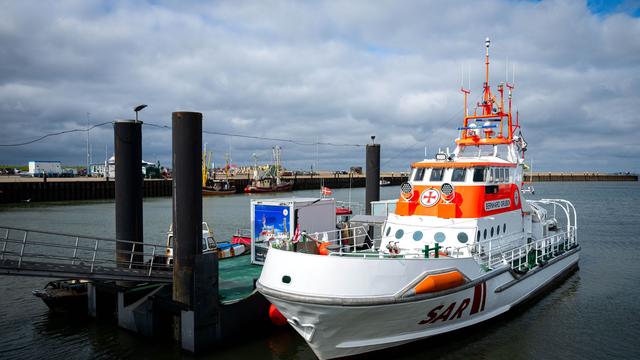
35	250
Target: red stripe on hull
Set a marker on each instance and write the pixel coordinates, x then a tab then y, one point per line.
477	299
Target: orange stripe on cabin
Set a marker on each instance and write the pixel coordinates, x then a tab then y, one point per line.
460	164
439	282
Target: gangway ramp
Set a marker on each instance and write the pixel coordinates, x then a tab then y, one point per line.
29	252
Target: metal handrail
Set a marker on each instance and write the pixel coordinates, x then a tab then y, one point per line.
74	249
340	240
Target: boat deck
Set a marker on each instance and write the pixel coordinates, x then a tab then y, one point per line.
237	276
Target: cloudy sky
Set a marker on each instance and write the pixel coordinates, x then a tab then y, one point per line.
311	71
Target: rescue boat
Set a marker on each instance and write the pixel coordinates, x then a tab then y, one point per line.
462	247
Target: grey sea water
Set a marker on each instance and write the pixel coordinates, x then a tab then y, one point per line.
594	314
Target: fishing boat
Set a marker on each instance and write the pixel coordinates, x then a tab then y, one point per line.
224	249
242	236
384	182
64	296
210	185
463	246
270	182
218	187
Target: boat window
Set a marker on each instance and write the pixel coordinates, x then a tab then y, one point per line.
500	175
419	175
436	174
504	228
458	175
498	230
478	237
399	233
469	151
507	178
388	231
211	242
439	236
486	150
492	231
479	174
170	244
417	236
485	234
463	237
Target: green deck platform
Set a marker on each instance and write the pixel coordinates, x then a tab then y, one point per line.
237	276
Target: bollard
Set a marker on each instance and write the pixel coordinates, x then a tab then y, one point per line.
187	201
128	189
195	275
373	176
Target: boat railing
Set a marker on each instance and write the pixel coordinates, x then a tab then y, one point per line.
562	206
489	254
528	255
343	240
22	246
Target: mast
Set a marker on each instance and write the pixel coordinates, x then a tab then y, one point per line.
493	113
487	101
227	165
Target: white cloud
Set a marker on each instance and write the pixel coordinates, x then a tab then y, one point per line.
337	71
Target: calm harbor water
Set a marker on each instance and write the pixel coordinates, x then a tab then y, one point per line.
594	314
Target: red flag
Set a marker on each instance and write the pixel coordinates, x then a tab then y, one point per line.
326	191
296	234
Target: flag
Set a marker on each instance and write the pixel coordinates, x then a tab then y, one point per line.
296	234
326	191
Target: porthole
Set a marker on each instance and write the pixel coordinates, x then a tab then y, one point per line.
399	233
286	279
478	237
504	228
388	231
439	236
485	234
492	231
417	236
463	237
498	230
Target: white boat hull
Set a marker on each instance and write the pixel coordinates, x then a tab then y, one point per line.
333	328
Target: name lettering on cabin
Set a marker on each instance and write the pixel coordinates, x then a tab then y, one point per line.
454	310
497	204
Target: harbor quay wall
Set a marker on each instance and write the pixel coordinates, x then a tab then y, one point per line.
541	177
17	190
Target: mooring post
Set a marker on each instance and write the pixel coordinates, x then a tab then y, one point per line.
195	275
373	175
128	156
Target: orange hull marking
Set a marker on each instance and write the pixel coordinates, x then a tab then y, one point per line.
469	202
440	282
